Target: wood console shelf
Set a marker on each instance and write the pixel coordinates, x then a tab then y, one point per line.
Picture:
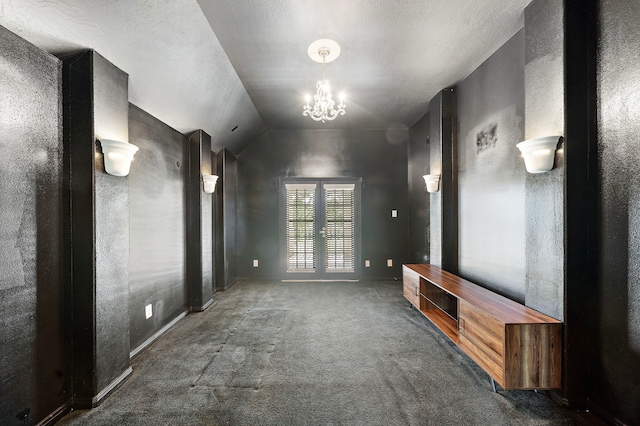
518	347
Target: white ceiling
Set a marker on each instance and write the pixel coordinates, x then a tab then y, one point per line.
252	69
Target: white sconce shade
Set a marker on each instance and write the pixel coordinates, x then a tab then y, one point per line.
433	182
209	183
539	153
117	156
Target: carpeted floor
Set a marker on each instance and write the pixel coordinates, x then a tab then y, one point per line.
272	353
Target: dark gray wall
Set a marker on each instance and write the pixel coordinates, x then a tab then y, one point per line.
34	380
111	106
491	176
226	195
418	214
378	156
616	385
544	196
157	183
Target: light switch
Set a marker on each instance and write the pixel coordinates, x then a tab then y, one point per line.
255	263
148	311
367	264
389	263
394	213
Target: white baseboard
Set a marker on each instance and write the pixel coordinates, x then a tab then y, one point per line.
104	392
159	333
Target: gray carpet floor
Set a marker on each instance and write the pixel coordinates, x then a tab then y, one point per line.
272	353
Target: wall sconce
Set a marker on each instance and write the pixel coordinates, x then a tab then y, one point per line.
433	182
117	156
539	153
209	183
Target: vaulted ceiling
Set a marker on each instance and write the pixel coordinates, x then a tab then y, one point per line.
218	64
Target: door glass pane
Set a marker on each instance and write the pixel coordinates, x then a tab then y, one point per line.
301	211
340	229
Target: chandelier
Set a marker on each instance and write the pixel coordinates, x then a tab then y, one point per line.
324	107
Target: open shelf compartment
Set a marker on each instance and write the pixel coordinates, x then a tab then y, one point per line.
440	307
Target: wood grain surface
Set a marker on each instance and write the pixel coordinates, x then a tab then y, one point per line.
519	347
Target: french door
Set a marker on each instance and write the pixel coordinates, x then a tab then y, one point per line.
320	229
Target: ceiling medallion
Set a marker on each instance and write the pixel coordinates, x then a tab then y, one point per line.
324	107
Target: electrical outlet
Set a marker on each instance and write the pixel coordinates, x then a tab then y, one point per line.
389	263
394	213
255	263
367	264
148	311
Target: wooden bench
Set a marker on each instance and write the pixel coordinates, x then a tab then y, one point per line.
518	347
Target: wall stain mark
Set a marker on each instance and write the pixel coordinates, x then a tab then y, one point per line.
487	138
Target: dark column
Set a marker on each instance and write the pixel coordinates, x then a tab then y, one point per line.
614	389
418	165
226	209
95	99
581	197
199	224
560	215
444	203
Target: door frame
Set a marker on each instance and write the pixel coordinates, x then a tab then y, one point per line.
319	275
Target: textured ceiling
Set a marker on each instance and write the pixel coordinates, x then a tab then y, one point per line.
178	72
245	63
395	54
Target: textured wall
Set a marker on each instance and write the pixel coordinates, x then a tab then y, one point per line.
418	214
617	387
379	157
158	225
110	103
544	199
34	365
491	179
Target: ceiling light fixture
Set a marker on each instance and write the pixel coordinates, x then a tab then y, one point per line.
324	107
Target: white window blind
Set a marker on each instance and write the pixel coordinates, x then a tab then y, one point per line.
340	229
301	232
